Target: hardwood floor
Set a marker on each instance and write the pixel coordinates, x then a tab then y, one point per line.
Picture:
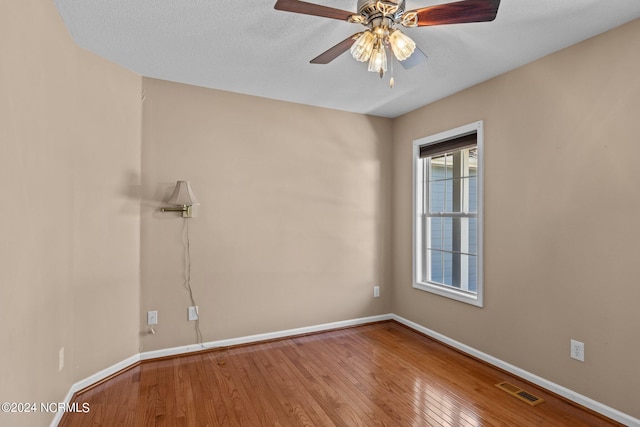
381	374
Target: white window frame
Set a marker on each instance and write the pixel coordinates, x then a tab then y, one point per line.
418	205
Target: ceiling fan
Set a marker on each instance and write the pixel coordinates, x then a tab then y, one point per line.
381	18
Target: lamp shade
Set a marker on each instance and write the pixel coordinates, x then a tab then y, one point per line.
362	48
378	60
401	45
183	195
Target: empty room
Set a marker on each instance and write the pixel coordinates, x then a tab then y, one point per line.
327	213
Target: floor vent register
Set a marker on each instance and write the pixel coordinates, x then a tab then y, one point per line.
520	393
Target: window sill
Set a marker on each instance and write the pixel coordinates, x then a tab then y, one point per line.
447	292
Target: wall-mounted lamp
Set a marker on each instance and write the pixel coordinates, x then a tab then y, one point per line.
183	198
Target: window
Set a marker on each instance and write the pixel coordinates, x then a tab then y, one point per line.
447	241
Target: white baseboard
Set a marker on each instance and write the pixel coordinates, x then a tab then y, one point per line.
580	399
261	337
605	410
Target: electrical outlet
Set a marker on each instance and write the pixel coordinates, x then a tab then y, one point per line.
193	313
376	291
577	350
61	359
152	317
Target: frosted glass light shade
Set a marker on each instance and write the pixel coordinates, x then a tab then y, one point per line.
362	48
378	60
401	45
183	195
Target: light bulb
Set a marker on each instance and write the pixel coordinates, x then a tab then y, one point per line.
378	60
401	45
362	48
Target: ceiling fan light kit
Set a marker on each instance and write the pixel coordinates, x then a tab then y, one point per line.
401	45
362	48
378	60
381	17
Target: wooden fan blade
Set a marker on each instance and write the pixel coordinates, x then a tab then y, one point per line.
460	12
298	6
337	50
417	57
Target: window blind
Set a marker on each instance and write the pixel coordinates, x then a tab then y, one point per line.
449	145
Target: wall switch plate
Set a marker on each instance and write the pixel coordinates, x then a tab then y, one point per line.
152	317
376	291
577	350
193	313
61	359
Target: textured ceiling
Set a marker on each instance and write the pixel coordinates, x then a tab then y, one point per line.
246	46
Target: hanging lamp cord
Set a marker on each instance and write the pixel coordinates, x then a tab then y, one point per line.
187	284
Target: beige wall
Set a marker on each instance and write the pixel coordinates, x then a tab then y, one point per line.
561	217
292	230
69	179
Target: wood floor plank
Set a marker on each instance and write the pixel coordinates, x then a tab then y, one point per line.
381	374
304	386
295	402
342	382
360	376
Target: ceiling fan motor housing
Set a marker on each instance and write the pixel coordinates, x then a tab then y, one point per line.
369	9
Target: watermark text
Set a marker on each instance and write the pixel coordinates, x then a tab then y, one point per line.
46	407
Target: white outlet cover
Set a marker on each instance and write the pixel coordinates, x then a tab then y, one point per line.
577	350
152	317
